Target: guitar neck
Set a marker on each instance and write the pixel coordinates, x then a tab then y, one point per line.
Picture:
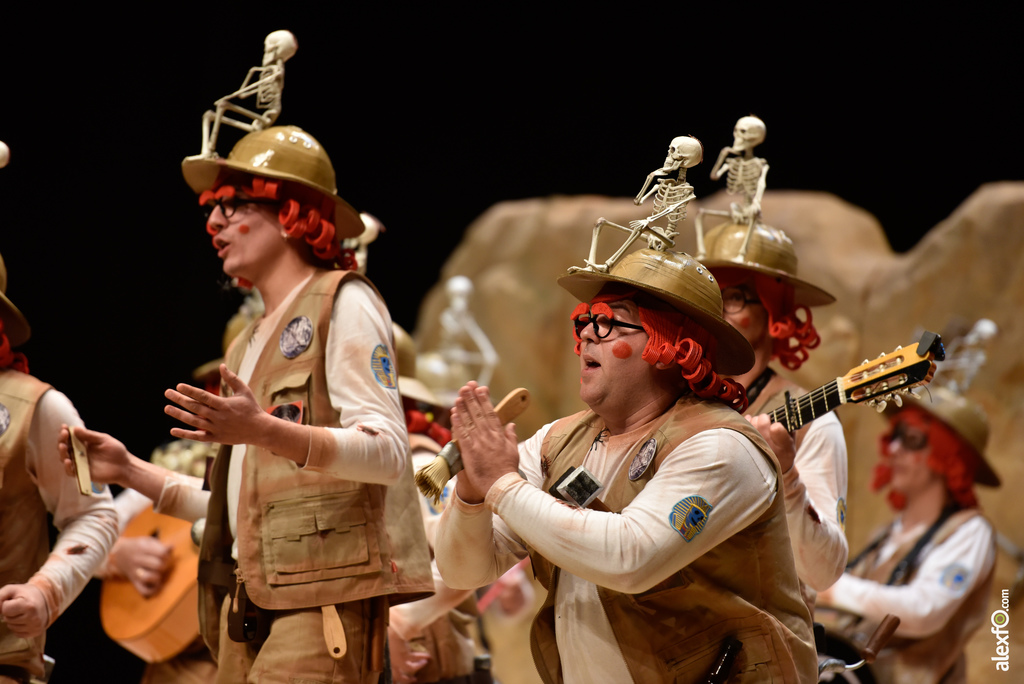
803	410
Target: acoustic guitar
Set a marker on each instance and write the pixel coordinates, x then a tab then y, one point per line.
161	626
888	378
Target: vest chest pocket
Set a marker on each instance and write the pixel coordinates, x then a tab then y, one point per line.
288	388
317	538
756	662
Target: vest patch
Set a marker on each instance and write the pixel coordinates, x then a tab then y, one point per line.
296	336
642	459
955	578
382	367
5	419
689	516
841	513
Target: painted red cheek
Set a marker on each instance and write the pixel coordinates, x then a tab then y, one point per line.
243	229
622	350
744	321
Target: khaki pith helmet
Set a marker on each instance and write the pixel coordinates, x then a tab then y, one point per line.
283	152
15	325
408	384
770	252
685	284
967	420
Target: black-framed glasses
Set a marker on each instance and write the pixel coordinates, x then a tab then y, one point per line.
735	299
229	205
603	325
912	438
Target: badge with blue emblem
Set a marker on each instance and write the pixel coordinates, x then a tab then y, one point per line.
642	459
296	336
689	516
5	419
382	367
955	578
841	513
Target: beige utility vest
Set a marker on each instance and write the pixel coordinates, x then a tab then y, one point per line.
917	661
745	587
24	539
305	538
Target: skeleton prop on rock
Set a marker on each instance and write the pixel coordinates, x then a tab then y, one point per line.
454	362
745	175
671	195
265	82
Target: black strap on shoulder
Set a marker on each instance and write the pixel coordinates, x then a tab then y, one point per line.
759	384
909	562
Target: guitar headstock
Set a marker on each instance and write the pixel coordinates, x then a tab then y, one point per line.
892	375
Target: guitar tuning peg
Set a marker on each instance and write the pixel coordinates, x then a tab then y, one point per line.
865	362
880	405
881	355
898	400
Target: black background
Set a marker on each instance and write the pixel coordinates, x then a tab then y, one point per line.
431	116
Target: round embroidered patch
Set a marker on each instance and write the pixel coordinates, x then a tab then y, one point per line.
841	513
382	367
642	459
296	336
689	516
5	419
955	578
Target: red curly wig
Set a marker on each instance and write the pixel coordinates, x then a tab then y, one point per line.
8	357
949	456
303	214
791	336
672	338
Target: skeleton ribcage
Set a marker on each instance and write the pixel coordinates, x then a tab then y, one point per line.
743	176
670	192
269	93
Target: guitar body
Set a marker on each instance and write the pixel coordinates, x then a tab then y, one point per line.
161	626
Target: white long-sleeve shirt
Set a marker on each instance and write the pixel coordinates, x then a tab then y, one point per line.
87	524
815	489
946	574
627	552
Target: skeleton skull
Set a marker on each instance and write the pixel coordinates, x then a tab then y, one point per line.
684	152
279	45
748	133
459	290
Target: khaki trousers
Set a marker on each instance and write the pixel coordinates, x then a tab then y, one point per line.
295	652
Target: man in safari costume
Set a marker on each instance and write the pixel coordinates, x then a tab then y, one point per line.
756	268
37	585
685	544
312	524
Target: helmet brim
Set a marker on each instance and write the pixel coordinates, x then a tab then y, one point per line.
201	173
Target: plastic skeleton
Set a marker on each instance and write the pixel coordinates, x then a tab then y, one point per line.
449	365
265	82
671	196
745	175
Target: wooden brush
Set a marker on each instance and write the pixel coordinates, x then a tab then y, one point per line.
432	478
